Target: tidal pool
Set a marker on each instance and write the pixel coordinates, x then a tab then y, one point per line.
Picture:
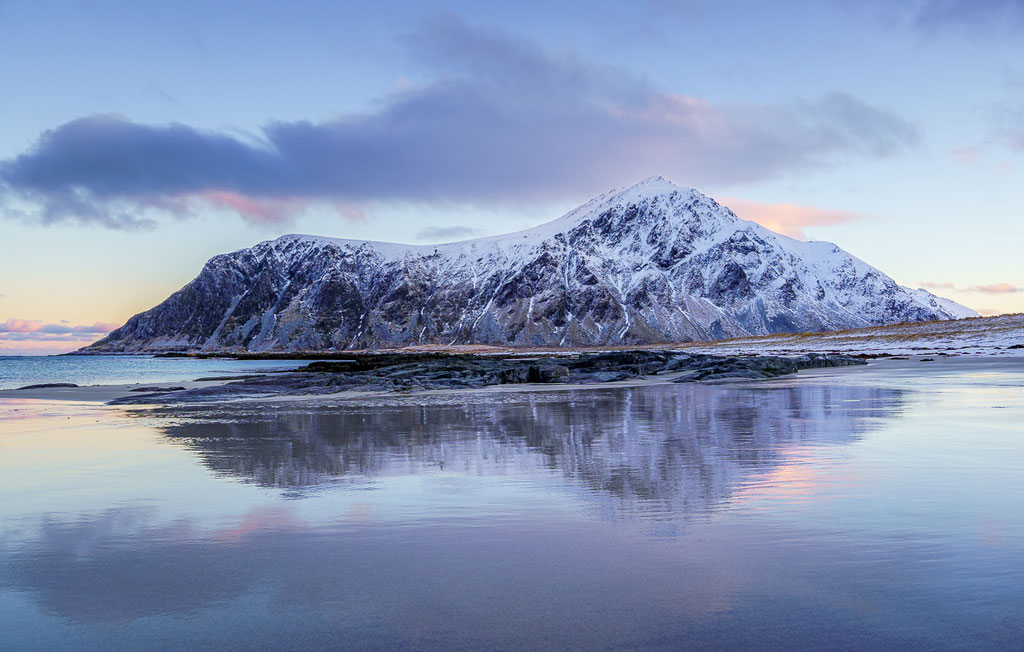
849	508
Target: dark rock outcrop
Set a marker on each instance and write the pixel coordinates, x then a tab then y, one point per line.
420	371
48	385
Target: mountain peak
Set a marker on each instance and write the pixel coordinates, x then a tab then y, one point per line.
656	178
651	187
651	263
656	185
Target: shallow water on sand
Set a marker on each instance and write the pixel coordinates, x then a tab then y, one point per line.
877	506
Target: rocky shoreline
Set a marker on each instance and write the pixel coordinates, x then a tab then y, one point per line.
409	372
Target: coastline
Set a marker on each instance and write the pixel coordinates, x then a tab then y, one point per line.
422	369
414	372
106	394
103	394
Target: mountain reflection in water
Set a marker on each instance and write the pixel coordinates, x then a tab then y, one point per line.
665	450
877	511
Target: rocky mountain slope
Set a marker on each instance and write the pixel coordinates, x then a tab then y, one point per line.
652	263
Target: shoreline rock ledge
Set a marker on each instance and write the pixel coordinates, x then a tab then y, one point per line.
405	372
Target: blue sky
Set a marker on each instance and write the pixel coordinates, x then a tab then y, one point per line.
139	139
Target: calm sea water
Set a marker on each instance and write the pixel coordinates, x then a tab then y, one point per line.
876	507
18	371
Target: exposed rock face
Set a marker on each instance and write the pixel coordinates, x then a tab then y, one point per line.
649	264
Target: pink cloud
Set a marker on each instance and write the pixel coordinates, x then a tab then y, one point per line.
966	155
263	211
36	337
992	288
995	288
44	344
280	211
21	326
788	219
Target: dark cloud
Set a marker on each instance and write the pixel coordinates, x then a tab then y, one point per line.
503	120
446	233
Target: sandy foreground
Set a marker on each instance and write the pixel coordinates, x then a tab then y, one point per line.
910	366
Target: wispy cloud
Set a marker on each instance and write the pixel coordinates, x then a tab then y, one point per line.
935	14
503	120
994	288
943	16
1008	125
1005	131
788	219
966	155
933	285
446	233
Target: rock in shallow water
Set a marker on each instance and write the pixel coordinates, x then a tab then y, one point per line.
547	373
48	386
417	371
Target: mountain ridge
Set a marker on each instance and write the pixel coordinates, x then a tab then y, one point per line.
650	263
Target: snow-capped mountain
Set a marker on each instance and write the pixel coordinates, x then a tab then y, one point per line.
652	263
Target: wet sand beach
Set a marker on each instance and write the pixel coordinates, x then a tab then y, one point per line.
874	505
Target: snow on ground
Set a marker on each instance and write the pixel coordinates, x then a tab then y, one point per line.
1000	335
